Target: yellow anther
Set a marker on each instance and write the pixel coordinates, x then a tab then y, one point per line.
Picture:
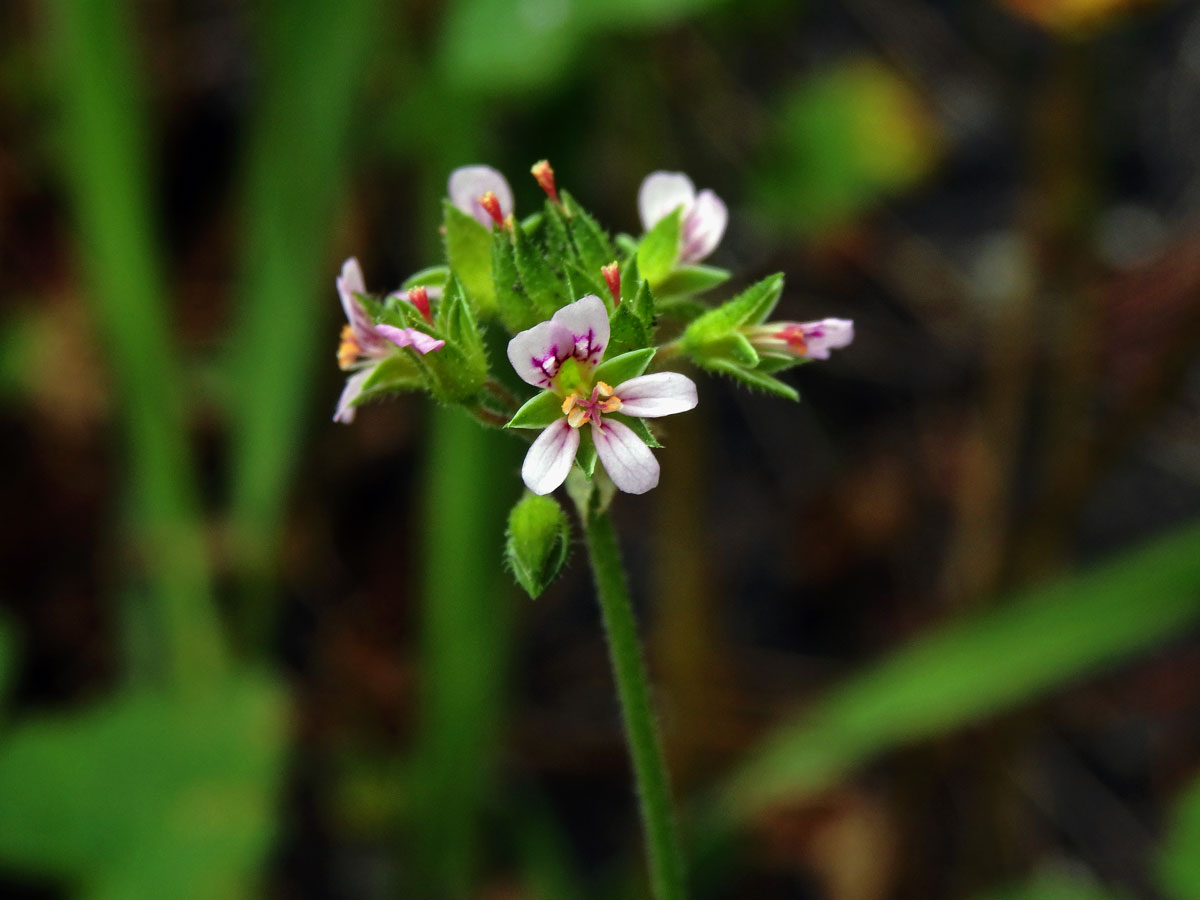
348	350
603	390
612	404
569	403
577	417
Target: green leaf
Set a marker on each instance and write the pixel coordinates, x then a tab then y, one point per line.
544	409
595	249
623	367
639	427
433	276
627	331
1026	646
753	379
658	251
542	286
515	309
537	541
149	794
688	280
457	322
643	305
469	251
391	375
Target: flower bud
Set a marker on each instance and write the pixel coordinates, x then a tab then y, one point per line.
538	536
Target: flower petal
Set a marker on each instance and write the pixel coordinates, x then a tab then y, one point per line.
703	227
628	462
469	183
826	335
538	352
354	385
587	320
660	394
549	458
410	337
349	283
663	192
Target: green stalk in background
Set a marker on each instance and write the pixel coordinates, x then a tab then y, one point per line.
664	858
314	54
106	167
467	619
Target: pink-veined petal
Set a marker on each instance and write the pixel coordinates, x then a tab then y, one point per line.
410	337
587	320
537	353
703	227
469	183
660	394
354	385
349	283
663	192
826	335
550	457
628	461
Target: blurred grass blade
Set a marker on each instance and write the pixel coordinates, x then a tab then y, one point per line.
1180	866
106	169
968	670
314	55
467	608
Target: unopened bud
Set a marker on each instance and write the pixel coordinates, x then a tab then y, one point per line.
538	536
491	205
612	277
545	179
419	297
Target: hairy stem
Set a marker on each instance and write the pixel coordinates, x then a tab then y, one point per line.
641	729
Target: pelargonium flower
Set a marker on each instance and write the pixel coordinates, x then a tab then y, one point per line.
469	183
704	214
364	344
562	356
811	339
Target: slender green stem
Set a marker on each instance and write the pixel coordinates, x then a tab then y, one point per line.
645	748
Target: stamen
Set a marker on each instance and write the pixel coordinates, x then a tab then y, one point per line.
602	390
348	350
612	404
569	403
419	297
578	417
794	335
545	179
492	206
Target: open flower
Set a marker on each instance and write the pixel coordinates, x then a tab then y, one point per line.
811	339
469	183
704	214
364	344
562	356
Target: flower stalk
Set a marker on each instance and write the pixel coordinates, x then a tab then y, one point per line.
663	856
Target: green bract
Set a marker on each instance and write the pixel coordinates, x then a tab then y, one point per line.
538	537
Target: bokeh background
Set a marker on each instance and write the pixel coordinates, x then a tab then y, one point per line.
930	633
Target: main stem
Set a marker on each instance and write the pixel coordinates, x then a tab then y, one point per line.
645	748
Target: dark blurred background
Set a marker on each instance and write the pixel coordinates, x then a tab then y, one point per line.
249	652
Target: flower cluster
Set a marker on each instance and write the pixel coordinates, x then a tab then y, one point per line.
585	313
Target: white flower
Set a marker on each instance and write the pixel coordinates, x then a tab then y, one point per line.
704	214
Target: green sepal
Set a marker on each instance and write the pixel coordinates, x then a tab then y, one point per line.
639	427
772	364
749	307
538	412
591	241
581	283
469	252
537	541
659	249
627	332
627	244
585	456
688	280
622	368
631	278
643	305
392	375
532	223
433	276
555	232
516	312
753	379
457	322
732	347
542	286
682	309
